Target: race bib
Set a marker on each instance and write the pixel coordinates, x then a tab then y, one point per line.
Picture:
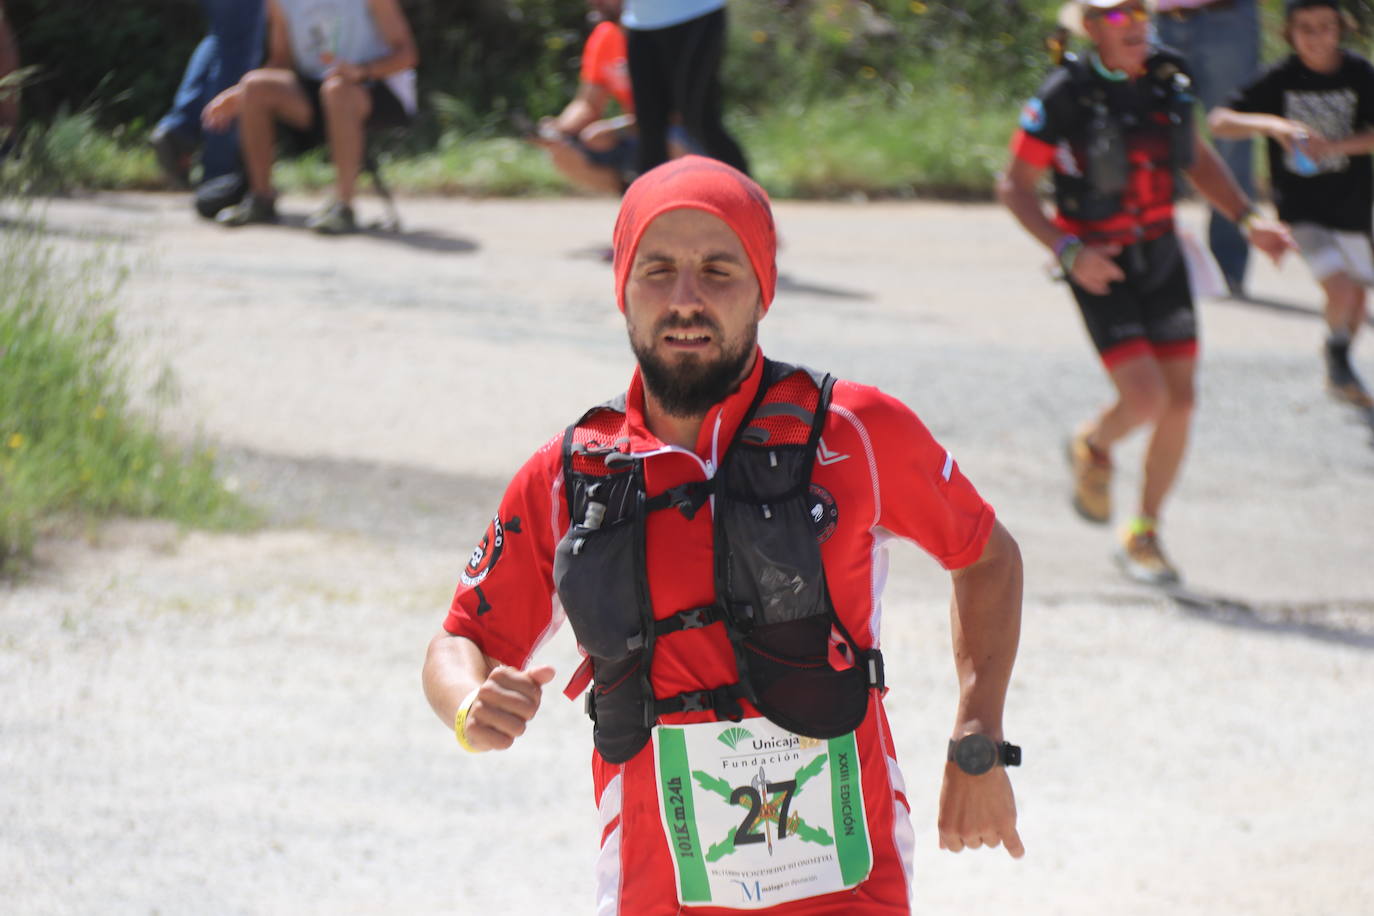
758	816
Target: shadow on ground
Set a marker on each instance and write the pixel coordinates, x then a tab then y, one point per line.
385	502
1282	307
1347	623
790	284
422	239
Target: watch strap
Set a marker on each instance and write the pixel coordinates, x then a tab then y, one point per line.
1008	754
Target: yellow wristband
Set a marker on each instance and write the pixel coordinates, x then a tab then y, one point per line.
460	724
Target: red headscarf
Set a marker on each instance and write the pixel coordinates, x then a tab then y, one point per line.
698	183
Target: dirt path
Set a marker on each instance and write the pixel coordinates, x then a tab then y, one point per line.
215	724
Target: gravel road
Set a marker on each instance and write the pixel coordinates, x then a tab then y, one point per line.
224	724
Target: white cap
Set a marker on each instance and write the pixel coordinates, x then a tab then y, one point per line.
1071	13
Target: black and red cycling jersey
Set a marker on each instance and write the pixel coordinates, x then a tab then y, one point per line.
1065	127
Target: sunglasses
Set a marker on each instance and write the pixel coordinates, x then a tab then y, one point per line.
1121	17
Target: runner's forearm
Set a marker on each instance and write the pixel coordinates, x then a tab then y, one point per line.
1214	181
1228	124
1024	204
1355	144
985	621
454	667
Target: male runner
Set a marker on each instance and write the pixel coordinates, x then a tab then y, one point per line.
1316	107
715	538
1117	130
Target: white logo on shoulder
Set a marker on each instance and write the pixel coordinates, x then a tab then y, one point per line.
825	456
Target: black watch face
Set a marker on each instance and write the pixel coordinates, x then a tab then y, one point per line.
975	754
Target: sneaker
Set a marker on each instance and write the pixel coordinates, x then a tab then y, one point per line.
1092	480
335	218
254	208
1351	392
1142	559
1341	380
174	154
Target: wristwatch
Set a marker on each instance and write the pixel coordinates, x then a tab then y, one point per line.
976	754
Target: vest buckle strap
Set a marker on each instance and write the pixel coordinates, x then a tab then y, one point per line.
723	701
877	673
691	619
686	498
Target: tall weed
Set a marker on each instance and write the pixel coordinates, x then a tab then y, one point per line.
71	442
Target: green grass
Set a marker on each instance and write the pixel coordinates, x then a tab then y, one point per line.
73	153
943	142
486	167
72	445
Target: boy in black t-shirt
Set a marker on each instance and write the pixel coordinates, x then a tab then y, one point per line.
1317	110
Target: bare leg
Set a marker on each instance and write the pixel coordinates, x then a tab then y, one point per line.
346	109
1141	396
1164	455
268	96
1345	300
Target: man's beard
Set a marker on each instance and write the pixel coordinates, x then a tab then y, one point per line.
692	385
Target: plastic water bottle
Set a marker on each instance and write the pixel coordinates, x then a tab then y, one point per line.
1303	162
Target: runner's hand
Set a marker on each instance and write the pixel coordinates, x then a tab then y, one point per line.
1094	269
1271	237
977	811
505	702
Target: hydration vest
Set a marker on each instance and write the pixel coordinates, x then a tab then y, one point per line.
1100	137
796	663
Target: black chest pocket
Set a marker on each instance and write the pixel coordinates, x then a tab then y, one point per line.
598	567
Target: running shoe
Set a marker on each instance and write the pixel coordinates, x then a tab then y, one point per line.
334	218
1143	560
1092	480
254	208
1341	380
173	153
1352	392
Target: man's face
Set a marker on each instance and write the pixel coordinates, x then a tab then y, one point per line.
1121	34
1316	35
692	308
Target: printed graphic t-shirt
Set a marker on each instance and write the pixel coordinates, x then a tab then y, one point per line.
1334	105
604	64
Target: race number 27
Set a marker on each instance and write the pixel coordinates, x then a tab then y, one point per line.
774	808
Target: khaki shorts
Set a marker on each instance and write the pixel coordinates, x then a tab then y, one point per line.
1330	251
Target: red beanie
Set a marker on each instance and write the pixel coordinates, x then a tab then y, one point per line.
698	183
